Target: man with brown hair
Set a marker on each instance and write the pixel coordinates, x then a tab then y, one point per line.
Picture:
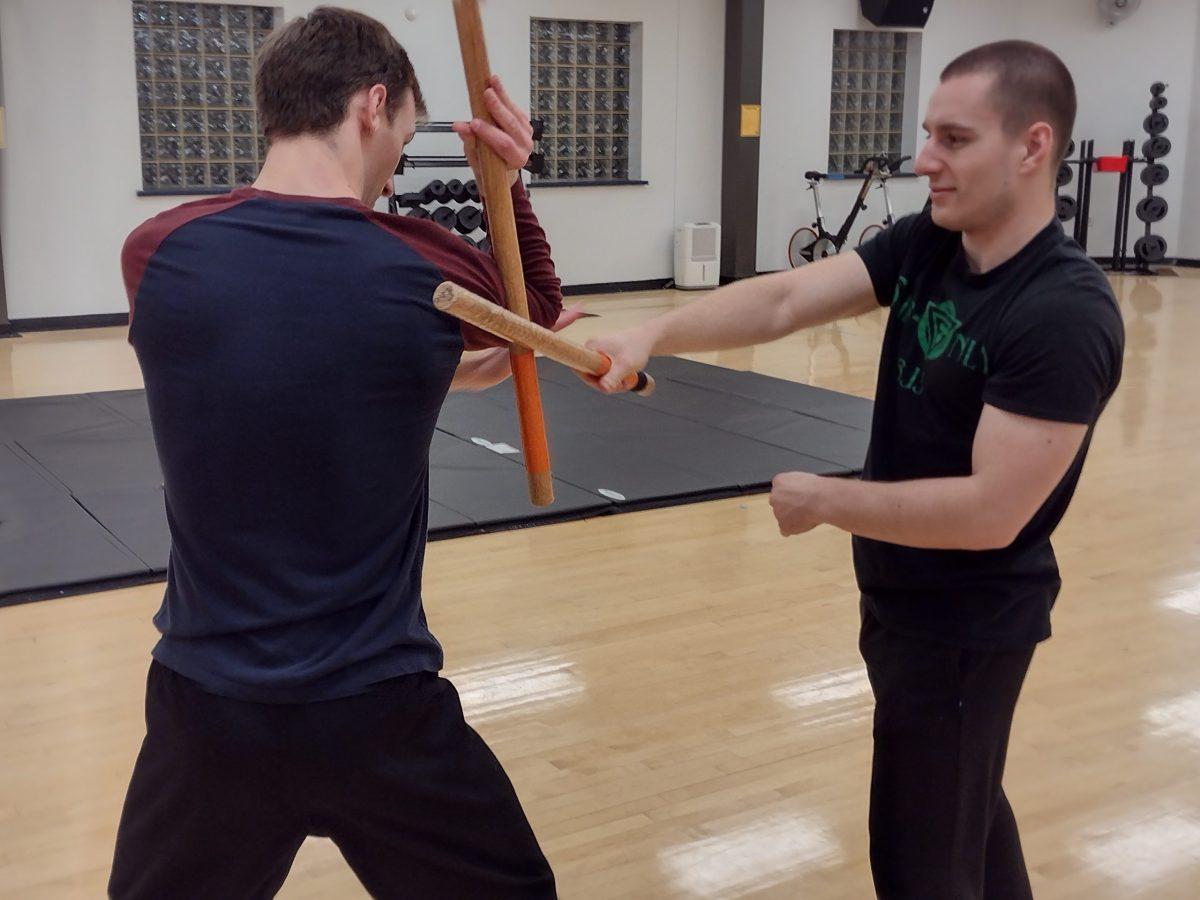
1002	348
294	367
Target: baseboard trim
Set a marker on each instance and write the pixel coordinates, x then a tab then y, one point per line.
615	287
1182	262
62	323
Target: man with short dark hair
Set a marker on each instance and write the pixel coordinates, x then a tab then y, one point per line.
295	366
1002	348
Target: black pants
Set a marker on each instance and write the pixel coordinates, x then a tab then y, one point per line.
224	792
941	827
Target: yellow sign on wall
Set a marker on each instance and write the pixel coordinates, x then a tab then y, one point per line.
751	117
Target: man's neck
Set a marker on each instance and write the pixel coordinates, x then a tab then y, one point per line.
987	248
311	166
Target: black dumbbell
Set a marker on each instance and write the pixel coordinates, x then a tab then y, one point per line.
1064	175
418	213
1151	209
1065	207
539	128
458	191
472	191
1157	88
536	164
470	240
469	218
1155	174
436	192
1157	147
410	198
1070	148
1155	123
485	245
1150	248
445	217
1157	103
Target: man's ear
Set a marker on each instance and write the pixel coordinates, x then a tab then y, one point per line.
1039	146
374	109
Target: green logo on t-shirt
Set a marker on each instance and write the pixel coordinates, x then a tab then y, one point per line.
939	335
937	327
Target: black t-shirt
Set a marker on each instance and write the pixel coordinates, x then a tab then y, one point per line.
1039	335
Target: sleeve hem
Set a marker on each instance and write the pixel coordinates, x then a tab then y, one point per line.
1034	411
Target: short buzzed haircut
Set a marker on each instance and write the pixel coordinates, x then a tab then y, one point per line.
1031	85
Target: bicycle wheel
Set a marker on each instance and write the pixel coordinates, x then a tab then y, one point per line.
823	248
800	247
869	232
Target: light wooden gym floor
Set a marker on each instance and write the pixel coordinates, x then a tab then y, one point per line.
677	694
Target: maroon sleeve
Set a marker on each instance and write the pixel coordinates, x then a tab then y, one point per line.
144	240
478	272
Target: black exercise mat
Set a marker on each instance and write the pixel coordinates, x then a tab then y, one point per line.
81	500
130	404
117	454
716	460
845	409
490	488
448	522
48	542
138	517
34	417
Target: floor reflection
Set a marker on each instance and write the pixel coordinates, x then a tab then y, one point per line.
828	698
751	857
515	685
1140	852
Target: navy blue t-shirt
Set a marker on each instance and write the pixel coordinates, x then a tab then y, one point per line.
1039	335
294	366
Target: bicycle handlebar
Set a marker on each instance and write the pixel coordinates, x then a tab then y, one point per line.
884	168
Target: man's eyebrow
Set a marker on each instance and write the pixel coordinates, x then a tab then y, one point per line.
947	126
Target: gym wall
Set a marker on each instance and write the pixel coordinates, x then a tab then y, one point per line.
1189	214
1112	67
72	169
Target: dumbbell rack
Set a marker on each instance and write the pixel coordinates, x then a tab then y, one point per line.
1150	247
1075	208
453	204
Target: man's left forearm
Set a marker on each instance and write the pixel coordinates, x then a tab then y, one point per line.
933	513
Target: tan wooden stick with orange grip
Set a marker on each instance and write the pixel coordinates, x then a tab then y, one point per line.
502	232
461	303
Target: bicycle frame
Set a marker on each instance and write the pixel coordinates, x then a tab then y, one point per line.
839	239
889	218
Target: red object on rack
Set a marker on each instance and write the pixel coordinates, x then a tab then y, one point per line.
1111	163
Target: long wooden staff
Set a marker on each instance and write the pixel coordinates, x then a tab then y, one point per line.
502	232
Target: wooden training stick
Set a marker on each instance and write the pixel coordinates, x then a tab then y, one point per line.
502	232
461	303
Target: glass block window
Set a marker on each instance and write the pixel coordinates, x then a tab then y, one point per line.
584	79
866	109
195	85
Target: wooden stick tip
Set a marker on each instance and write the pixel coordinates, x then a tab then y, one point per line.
541	488
443	297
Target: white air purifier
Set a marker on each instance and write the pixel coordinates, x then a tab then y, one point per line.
698	256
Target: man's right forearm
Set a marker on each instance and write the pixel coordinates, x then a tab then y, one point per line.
766	308
736	315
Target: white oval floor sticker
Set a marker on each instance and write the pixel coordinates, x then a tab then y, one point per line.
611	495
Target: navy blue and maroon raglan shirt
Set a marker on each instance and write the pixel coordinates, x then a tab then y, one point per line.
294	366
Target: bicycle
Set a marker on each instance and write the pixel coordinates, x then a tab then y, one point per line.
808	245
886	170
